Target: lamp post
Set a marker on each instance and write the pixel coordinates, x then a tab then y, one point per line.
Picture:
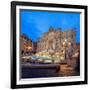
64	44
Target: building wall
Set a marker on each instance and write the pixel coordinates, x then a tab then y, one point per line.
54	39
26	44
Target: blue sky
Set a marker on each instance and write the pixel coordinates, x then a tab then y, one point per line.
35	23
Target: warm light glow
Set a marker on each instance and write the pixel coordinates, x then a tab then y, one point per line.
69	43
29	47
65	40
63	43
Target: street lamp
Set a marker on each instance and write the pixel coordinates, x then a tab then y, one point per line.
65	44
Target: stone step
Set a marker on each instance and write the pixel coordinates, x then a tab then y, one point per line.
66	68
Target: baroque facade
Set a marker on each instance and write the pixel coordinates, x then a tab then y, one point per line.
56	39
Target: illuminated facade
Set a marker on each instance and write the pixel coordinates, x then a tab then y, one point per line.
56	40
26	44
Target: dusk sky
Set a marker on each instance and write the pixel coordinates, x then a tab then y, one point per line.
35	23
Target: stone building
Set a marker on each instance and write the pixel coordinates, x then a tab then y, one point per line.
26	44
56	40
